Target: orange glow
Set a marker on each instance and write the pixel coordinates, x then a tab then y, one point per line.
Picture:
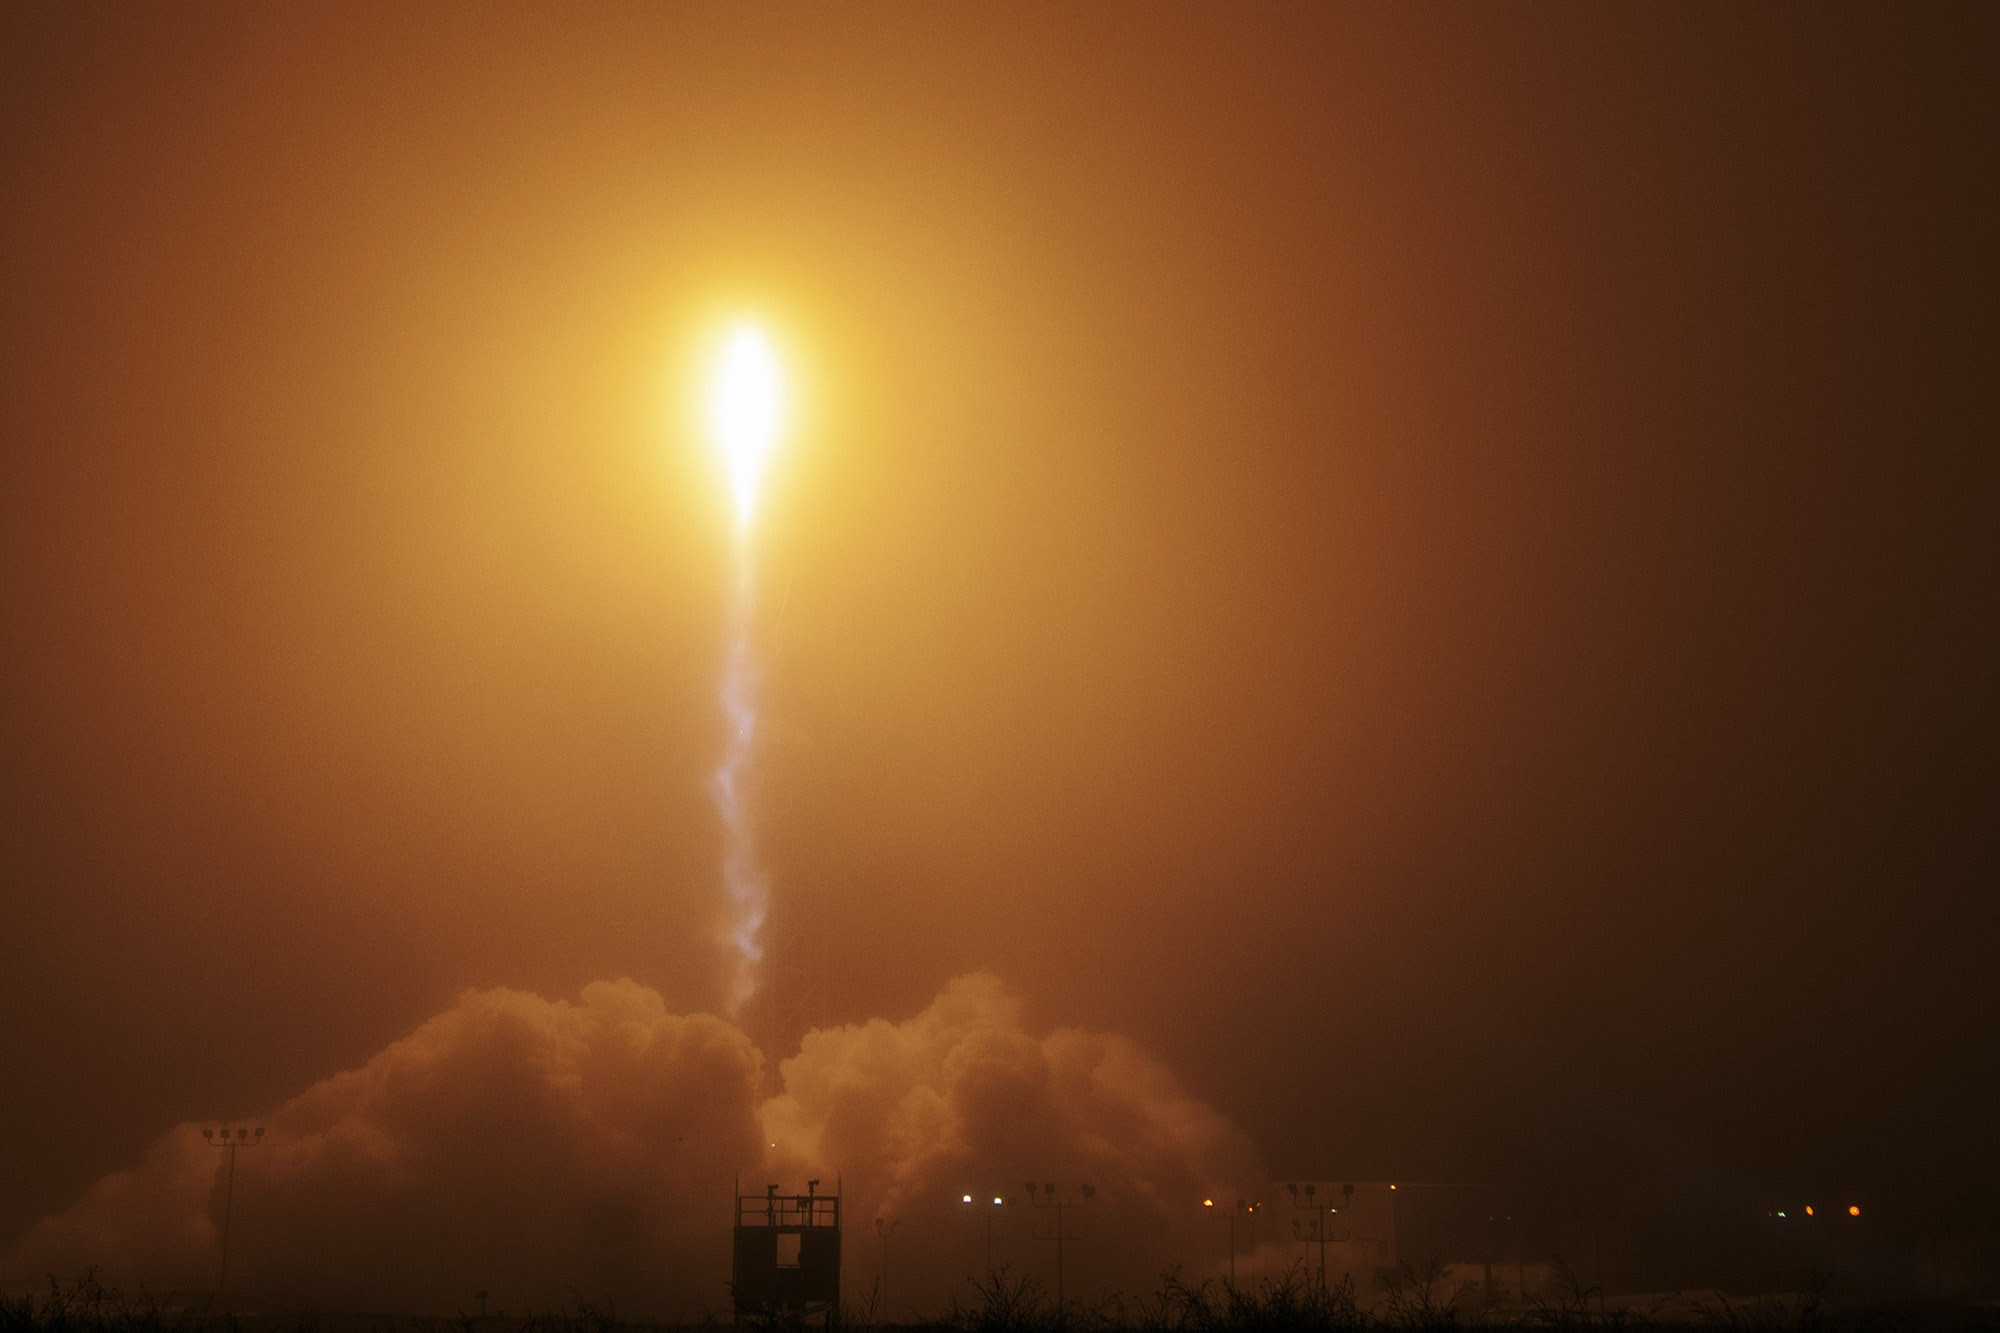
743	413
691	408
1809	1211
1854	1210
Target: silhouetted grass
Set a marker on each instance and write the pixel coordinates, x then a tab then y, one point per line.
1417	1297
88	1306
1806	1312
1292	1302
1001	1304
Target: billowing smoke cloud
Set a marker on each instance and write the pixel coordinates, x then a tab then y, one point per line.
532	1150
962	1100
510	1145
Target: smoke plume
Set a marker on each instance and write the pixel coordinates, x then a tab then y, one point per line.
540	1150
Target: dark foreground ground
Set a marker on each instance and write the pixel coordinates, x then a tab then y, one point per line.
1292	1304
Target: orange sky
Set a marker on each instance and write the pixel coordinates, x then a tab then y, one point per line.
1430	568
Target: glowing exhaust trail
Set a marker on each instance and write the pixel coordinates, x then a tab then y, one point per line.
743	417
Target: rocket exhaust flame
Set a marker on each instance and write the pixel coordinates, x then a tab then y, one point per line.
743	415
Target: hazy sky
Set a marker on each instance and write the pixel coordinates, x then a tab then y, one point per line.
1429	566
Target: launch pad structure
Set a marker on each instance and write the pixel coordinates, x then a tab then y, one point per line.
786	1267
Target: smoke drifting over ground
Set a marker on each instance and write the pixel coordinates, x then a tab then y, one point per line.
529	1148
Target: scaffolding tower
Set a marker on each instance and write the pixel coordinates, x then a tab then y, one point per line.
787	1257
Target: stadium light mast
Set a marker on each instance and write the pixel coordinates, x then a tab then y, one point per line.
1047	1199
885	1227
1243	1211
1304	1198
988	1210
243	1138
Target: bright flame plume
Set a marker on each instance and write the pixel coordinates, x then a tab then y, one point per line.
743	414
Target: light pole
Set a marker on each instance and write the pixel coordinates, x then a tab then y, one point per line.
1241	1210
883	1226
1048	1199
989	1210
1303	1198
243	1139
